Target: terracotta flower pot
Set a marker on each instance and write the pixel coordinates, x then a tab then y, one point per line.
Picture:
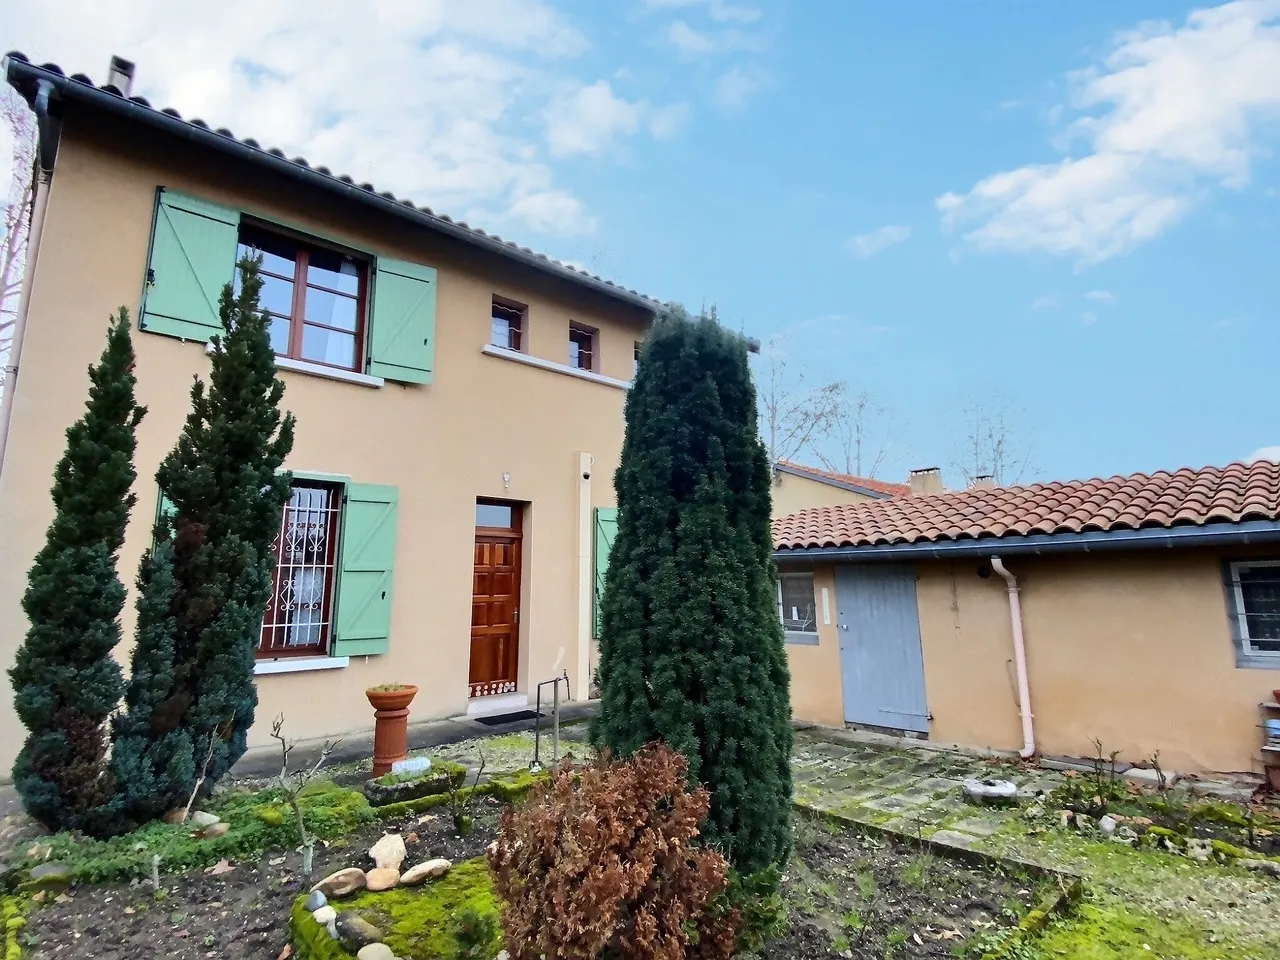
391	725
1275	696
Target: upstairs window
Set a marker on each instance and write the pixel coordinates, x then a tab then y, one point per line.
508	324
635	358
582	347
315	296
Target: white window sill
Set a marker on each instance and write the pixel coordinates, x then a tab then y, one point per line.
298	665
801	637
489	350
320	370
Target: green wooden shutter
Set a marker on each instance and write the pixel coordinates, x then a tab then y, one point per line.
193	256
606	531
402	335
368	565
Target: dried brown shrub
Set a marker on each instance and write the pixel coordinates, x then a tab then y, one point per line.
601	862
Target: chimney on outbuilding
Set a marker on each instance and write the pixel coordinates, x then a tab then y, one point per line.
983	481
120	75
925	481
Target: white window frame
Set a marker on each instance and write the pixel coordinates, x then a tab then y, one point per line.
799	636
1246	647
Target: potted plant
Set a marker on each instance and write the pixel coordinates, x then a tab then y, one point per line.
390	703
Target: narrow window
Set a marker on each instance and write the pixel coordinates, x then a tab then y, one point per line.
299	617
315	297
582	347
635	358
508	324
1256	596
796	607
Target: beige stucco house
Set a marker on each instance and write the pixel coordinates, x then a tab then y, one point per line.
1142	611
459	404
798	486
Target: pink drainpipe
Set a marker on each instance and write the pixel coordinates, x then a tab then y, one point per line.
1020	660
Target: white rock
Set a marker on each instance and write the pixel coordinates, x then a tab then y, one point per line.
325	915
381	878
423	872
389	852
375	951
1108	825
1200	849
412	765
984	790
202	818
341	883
1126	835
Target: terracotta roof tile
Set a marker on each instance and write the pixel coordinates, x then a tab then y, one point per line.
1230	494
878	486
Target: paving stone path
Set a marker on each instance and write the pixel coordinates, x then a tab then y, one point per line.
917	791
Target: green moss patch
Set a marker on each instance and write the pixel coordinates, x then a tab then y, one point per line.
259	821
419	921
1104	931
12	910
509	787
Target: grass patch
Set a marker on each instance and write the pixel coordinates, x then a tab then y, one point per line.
259	821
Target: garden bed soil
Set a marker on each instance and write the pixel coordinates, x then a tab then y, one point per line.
848	895
855	895
239	915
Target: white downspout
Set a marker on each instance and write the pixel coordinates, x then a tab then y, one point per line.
1020	660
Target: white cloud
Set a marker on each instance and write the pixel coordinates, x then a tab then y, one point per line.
735	87
1167	113
1265	453
690	42
1047	302
440	101
720	11
590	119
666	123
1088	318
866	245
1101	296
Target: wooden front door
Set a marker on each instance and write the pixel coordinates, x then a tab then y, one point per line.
495	600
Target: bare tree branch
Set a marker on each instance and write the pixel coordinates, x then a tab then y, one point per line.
293	784
996	442
862	437
794	416
15	222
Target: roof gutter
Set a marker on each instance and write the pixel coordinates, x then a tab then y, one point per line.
16	70
1249	532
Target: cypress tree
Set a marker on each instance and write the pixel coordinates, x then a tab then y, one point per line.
692	649
205	586
65	681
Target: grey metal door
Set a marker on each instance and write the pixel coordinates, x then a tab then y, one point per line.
881	666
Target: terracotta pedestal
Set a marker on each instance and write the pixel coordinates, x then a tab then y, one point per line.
390	726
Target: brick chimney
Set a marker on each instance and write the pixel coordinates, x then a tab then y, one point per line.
120	75
925	481
983	481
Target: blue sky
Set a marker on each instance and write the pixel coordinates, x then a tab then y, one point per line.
1071	211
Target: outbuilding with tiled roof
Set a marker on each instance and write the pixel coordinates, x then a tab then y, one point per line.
1140	610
